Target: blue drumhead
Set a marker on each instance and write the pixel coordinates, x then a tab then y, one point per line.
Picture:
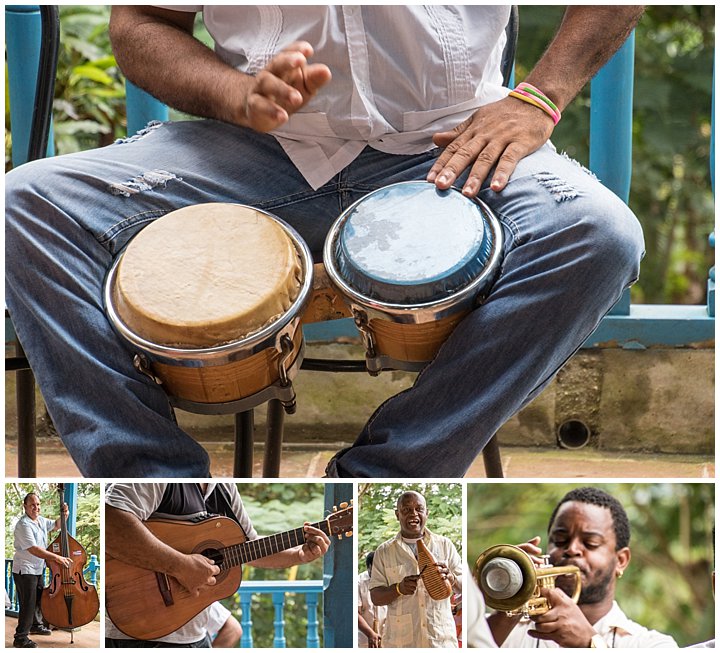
411	243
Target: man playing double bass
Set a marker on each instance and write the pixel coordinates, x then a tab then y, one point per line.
127	539
30	542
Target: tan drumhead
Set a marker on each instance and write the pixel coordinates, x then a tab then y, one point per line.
207	274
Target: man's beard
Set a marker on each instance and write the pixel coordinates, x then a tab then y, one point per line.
597	591
594	592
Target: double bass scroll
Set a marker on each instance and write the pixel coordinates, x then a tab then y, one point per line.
69	601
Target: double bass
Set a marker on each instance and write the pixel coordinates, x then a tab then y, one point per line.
69	601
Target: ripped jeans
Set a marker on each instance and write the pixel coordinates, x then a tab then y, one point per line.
572	247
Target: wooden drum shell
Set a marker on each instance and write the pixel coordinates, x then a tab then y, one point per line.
232	381
415	343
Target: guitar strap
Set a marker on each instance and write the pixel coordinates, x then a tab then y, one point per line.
220	503
185	501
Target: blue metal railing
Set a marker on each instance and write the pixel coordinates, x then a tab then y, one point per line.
91	575
311	589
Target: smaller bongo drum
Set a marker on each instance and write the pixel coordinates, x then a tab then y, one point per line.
411	261
211	297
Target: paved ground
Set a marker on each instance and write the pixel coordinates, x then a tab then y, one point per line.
308	461
86	637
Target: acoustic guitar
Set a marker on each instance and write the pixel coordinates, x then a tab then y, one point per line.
147	605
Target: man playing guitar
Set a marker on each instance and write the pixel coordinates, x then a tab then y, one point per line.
128	505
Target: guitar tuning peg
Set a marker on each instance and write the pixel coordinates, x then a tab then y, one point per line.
334	508
343	505
352	501
339	536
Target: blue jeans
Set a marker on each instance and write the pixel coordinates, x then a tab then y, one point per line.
571	248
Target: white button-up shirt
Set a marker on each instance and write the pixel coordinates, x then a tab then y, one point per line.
616	629
29	533
400	73
416	620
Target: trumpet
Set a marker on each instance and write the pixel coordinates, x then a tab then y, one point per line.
510	581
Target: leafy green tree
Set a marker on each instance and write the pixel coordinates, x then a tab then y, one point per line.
667	586
376	513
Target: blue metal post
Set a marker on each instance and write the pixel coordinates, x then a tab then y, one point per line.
92	569
312	639
71	500
611	100
246	640
22	40
278	599
142	108
14	608
339	613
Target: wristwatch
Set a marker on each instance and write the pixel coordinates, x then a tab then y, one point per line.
597	641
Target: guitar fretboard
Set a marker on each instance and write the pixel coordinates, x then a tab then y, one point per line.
263	547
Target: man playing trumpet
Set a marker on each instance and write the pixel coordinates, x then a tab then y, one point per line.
588	529
400	580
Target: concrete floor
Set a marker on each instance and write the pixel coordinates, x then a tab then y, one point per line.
308	461
333	407
86	637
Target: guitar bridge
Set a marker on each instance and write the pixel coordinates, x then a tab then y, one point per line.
164	587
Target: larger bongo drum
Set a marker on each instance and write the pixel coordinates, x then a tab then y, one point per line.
210	297
411	261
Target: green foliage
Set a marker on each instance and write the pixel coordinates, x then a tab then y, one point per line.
670	191
376	513
667	586
87	518
89	107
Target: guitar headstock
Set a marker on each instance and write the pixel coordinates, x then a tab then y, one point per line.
340	522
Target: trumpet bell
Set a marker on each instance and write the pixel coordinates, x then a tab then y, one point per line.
510	581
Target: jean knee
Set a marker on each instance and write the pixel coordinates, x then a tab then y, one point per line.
614	240
28	186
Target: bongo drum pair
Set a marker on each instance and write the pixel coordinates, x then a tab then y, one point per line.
211	297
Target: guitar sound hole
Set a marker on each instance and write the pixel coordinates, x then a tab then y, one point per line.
216	556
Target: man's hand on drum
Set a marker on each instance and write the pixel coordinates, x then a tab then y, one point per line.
496	136
285	85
